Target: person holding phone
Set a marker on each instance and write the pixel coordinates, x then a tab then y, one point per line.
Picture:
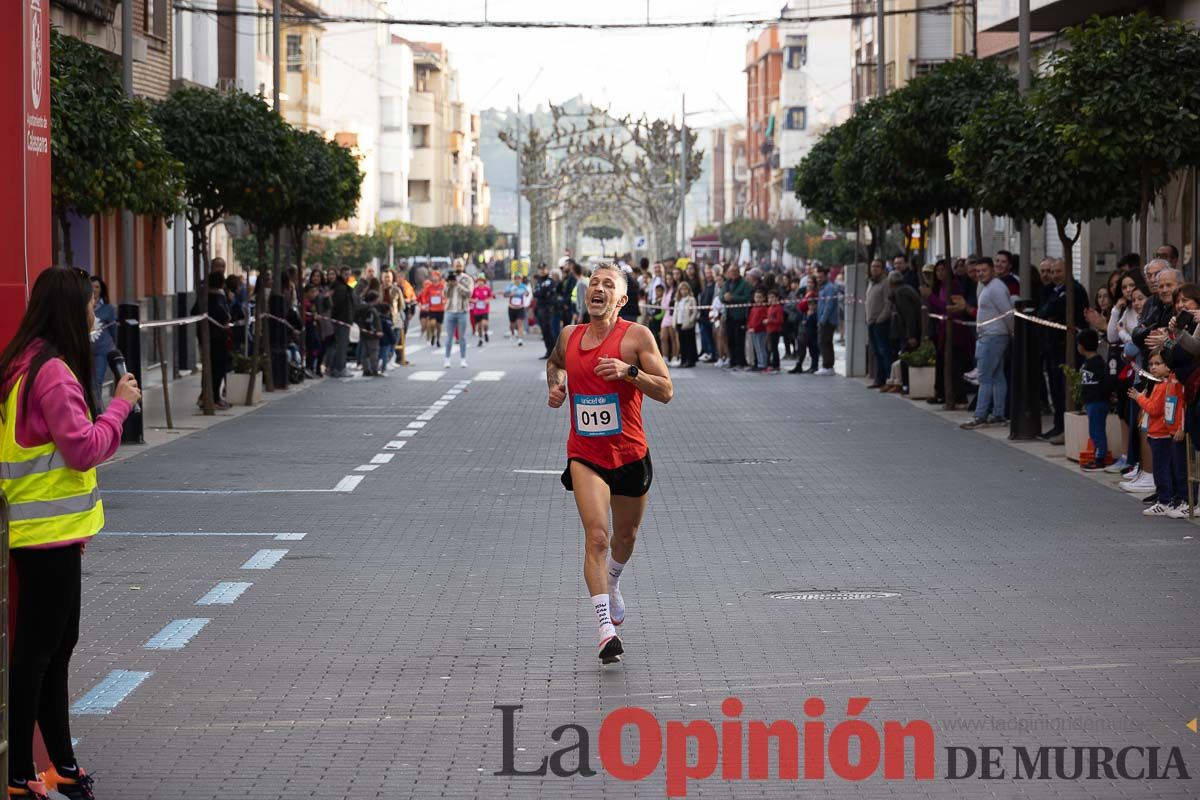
51	441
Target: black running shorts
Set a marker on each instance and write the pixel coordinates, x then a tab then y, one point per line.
631	480
515	314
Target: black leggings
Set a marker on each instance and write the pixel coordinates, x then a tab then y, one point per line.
48	599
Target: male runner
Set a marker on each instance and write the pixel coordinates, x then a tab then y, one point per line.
606	366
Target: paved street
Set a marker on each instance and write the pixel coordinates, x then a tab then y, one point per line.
390	614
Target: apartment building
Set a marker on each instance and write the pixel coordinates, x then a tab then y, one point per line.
730	173
764	68
913	42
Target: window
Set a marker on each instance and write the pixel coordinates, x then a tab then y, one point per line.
418	191
156	18
295	53
796	119
387	188
421	79
797	53
420	136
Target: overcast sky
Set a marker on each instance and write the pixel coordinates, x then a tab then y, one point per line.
633	71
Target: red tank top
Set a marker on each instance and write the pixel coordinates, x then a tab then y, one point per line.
606	416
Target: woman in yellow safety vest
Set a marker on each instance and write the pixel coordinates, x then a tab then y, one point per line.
51	441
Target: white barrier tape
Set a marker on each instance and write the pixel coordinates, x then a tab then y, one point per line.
1039	321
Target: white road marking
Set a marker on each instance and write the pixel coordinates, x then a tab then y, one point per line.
407	433
382	458
224	594
416	424
176	634
366	468
539	471
108	694
279	537
394	445
425	375
348	483
441	403
489	375
264	559
448	396
428	415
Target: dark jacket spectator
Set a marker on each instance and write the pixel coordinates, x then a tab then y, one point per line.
343	301
906	311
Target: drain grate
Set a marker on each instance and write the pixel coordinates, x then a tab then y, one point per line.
834	594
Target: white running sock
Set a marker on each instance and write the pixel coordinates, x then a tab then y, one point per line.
614	573
600	603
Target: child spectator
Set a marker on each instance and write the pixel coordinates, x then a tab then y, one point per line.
756	326
774	326
370	330
1095	388
1162	420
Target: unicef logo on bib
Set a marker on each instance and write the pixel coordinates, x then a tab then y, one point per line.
597	414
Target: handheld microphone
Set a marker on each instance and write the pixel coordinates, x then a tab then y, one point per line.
116	362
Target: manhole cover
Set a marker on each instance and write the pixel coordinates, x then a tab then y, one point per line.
834	594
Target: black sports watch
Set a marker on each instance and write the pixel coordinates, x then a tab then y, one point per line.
632	372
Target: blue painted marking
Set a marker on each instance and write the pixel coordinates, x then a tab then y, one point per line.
176	634
264	559
108	694
224	594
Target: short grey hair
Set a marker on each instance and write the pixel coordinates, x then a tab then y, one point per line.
1161	262
611	267
1178	274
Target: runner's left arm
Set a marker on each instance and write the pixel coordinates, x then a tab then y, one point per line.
653	379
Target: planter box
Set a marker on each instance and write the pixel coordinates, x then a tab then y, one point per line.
1075	428
921	382
235	389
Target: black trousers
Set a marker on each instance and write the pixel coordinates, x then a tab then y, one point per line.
543	318
735	329
827	330
48	598
687	345
773	350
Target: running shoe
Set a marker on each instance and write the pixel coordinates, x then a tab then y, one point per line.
994	420
1178	511
1092	466
1156	510
35	790
446	363
616	606
974	423
78	787
1144	482
1119	466
463	364
611	650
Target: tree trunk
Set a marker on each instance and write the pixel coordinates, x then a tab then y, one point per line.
200	234
68	251
948	336
1144	218
977	216
1068	244
260	331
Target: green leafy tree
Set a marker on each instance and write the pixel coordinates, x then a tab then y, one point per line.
757	231
106	152
231	145
1012	152
1124	93
322	185
603	233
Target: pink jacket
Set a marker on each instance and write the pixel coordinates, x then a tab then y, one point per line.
58	412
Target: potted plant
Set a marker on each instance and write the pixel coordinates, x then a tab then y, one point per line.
238	381
922	370
1075	424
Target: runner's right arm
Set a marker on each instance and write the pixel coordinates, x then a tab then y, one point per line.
556	369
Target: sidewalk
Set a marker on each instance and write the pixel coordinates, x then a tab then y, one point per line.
1052	454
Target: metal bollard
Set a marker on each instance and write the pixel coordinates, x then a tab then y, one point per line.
129	339
1025	404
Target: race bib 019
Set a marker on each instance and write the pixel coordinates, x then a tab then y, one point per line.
597	414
